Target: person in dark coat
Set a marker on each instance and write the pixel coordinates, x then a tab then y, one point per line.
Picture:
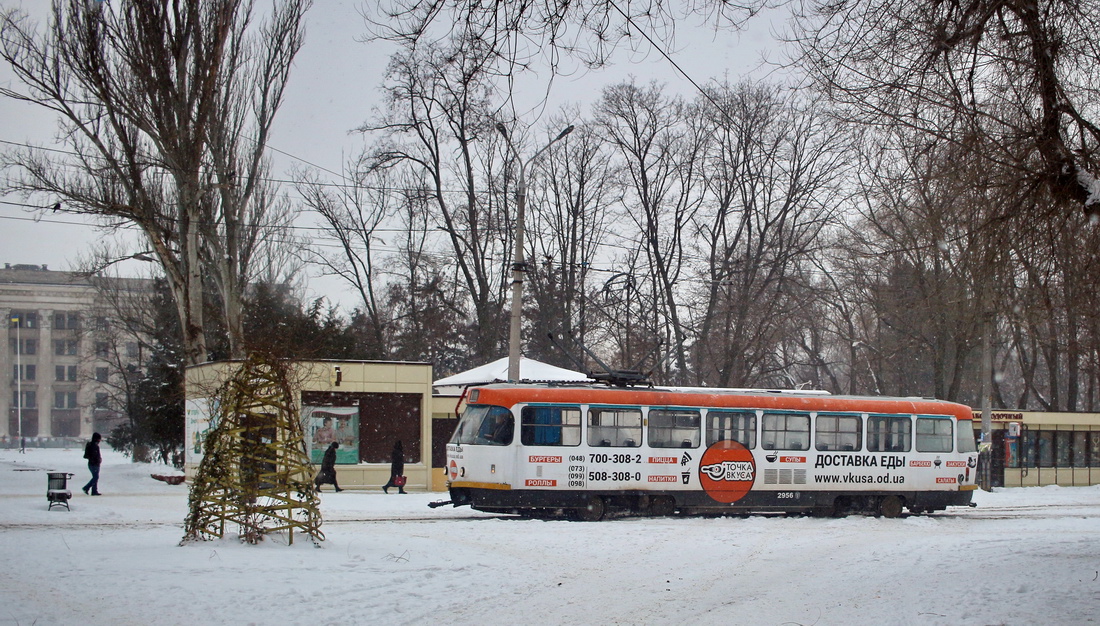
91	452
328	468
397	469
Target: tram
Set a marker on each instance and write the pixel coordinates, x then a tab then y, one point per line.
588	450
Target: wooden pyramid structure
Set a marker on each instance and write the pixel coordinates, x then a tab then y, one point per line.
255	471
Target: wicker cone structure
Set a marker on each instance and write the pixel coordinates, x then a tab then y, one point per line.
255	472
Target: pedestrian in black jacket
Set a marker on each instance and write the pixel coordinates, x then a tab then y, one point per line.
328	468
91	452
397	469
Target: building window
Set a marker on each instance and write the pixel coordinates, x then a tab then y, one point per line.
1046	448
838	433
23	319
889	433
934	434
615	427
101	374
63	320
1063	447
101	400
101	323
550	426
1080	448
24	346
674	428
30	400
64	400
62	373
62	347
29	371
101	350
739	426
786	431
132	350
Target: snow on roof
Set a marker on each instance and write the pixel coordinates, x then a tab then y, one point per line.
497	371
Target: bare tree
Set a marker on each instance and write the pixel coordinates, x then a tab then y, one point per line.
165	111
353	212
660	149
437	124
425	299
929	255
1050	318
516	36
771	175
569	206
1020	75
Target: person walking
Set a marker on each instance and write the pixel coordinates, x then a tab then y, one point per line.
91	452
328	468
397	469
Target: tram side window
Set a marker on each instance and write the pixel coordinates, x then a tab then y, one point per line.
550	426
785	431
934	434
484	424
838	433
616	428
964	442
739	426
671	428
889	433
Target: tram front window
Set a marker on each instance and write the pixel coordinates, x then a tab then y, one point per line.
486	425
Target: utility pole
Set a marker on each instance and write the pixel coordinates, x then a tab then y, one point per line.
519	266
985	476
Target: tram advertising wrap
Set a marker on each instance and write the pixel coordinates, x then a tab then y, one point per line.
585	450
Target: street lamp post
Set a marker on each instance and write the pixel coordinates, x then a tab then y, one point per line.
18	321
519	267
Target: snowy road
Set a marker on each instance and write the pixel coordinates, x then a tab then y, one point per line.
1023	556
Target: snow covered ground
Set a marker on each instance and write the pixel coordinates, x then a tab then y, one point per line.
1023	556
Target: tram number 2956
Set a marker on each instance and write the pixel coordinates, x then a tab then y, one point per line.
614	476
614	458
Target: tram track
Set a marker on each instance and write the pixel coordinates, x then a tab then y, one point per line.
1017	512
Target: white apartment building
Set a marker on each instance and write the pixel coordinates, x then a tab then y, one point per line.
64	354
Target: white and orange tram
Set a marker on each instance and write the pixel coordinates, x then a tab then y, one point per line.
585	450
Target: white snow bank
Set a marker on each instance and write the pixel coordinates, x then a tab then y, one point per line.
1022	556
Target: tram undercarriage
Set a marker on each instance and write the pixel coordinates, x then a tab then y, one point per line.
595	506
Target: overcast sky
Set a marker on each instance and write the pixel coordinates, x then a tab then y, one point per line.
334	85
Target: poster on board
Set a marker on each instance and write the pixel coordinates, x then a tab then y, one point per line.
198	422
325	424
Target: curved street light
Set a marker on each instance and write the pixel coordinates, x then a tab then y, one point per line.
519	267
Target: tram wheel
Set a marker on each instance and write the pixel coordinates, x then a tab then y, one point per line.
890	506
592	511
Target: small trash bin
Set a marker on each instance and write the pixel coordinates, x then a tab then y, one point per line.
57	489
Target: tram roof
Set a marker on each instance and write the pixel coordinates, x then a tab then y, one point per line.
787	399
